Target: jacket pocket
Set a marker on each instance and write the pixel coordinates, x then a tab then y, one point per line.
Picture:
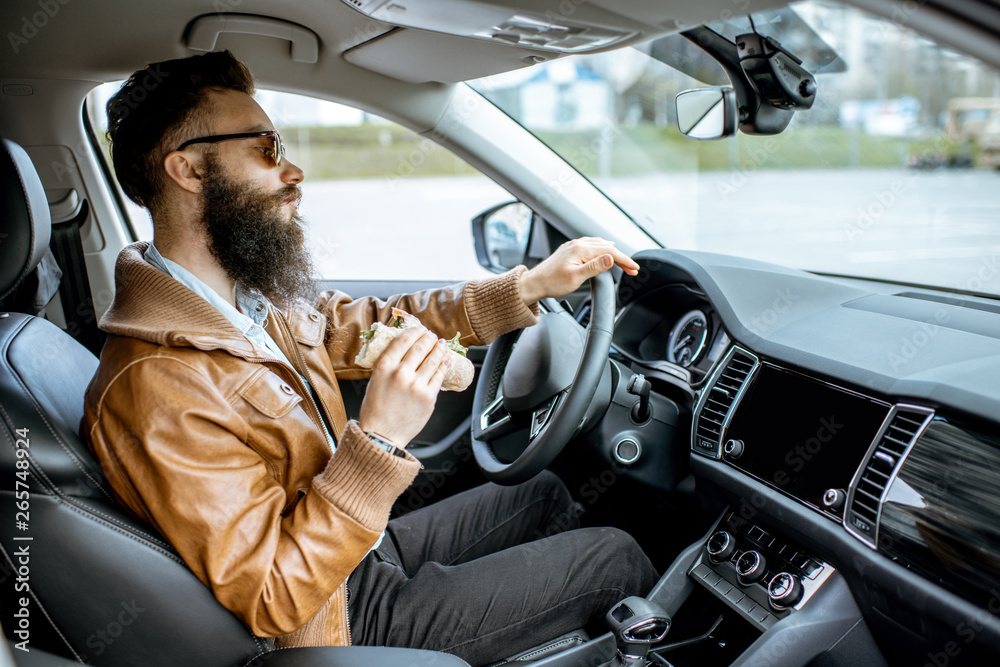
270	394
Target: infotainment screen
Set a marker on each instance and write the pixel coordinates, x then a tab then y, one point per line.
801	435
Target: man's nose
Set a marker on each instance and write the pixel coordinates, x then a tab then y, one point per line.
290	172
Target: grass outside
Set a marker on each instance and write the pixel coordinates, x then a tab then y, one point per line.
374	150
380	151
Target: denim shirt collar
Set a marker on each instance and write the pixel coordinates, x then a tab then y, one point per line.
250	322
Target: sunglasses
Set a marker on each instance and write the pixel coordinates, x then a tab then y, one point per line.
277	148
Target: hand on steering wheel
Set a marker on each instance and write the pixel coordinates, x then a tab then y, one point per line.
544	384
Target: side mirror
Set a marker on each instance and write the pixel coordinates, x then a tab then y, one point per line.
501	235
707	113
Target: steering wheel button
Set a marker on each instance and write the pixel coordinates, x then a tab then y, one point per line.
627	451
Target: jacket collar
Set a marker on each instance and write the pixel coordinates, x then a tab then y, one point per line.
154	307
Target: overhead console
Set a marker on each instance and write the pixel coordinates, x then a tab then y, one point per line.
476	38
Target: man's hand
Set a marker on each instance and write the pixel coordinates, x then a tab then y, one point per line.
404	386
570	265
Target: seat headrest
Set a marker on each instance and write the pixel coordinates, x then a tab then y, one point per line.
25	225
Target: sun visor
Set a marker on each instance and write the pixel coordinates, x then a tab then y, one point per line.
418	56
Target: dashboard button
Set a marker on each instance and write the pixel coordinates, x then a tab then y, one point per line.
750	567
733	449
785	590
834	499
723	586
811	568
720	546
747	604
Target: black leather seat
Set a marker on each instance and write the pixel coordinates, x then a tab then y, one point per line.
102	587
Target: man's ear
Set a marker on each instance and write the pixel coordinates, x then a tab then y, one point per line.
183	171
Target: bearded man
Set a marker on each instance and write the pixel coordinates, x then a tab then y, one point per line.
216	414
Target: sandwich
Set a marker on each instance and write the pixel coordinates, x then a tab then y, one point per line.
457	378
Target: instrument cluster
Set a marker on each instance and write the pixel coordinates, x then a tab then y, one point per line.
673	330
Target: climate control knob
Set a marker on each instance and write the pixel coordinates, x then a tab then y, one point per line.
785	590
834	499
733	449
750	567
720	546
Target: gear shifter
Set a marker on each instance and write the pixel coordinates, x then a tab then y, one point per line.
637	624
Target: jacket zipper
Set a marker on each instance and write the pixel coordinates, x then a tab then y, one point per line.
261	360
318	415
305	371
347	612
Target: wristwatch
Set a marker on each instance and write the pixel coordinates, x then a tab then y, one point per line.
386	445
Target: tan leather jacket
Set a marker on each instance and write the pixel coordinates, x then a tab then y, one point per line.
219	446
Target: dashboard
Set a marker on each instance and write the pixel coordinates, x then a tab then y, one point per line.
861	418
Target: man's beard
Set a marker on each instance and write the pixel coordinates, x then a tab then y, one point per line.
253	242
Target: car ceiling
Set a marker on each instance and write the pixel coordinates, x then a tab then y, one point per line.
107	39
399	71
105	36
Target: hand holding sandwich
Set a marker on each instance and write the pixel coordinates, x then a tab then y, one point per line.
404	386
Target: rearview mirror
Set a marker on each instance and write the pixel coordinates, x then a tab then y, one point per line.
707	113
501	235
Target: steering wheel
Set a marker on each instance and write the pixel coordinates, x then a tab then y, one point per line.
543	380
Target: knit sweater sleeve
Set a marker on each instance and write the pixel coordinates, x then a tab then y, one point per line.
495	306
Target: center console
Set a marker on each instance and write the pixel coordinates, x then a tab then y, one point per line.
743	595
747	593
760	576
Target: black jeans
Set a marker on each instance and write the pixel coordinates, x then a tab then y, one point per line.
492	571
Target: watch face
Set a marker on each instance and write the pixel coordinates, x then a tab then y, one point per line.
386	445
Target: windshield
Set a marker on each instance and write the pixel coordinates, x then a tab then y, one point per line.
893	173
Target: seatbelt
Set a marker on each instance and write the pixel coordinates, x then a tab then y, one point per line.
74	289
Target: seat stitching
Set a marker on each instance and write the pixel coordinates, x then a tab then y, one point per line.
41	413
539	650
45	612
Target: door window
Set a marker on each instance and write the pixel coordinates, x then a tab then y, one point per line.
382	202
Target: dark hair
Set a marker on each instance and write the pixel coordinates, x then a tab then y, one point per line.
149	114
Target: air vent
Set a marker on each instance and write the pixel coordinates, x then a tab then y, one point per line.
881	464
583	314
717	401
